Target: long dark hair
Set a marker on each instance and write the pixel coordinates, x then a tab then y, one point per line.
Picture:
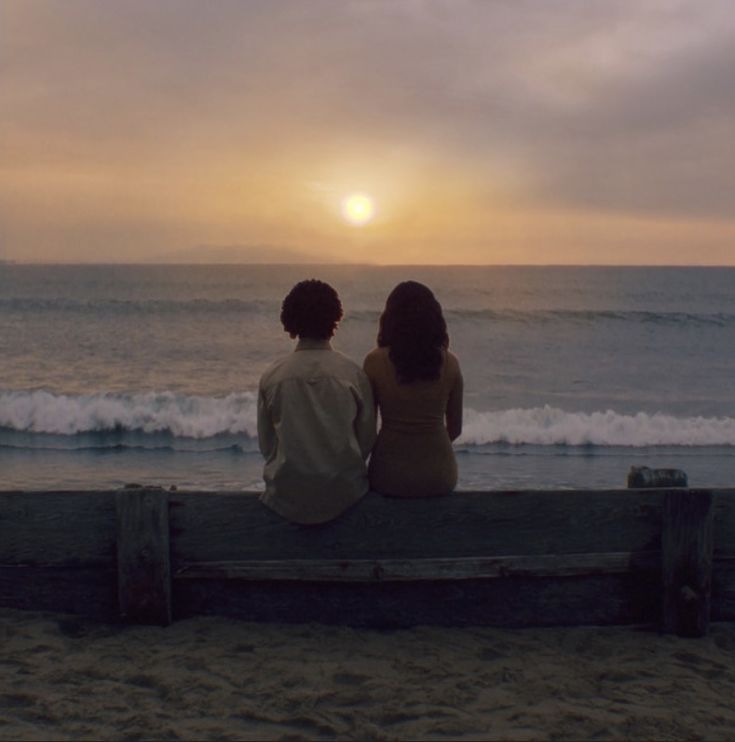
412	326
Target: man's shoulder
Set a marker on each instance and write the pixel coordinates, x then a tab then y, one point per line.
274	371
343	361
330	363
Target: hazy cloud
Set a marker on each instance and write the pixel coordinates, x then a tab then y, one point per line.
144	109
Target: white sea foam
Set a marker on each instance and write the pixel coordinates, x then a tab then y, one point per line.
546	426
179	415
204	417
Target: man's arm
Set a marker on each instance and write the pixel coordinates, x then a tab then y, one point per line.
266	431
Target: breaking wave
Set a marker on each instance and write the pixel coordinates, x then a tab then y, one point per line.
550	426
199	417
153	412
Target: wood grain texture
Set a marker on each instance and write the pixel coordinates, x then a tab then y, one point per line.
494	558
412	570
517	602
143	556
686	561
724	522
233	526
89	591
723	588
71	528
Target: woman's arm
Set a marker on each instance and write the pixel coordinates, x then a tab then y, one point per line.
454	406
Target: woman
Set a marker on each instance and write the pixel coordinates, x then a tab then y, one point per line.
417	386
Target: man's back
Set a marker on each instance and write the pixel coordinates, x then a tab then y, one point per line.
316	426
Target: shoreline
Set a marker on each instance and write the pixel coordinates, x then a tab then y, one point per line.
67	677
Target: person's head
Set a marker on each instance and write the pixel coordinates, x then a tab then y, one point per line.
311	309
412	327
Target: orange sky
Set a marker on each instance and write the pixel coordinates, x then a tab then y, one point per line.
491	132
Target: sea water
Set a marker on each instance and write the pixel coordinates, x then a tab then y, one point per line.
148	374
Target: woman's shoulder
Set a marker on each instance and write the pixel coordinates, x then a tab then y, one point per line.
375	358
452	361
452	373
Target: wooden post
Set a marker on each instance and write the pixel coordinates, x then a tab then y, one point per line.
143	556
686	561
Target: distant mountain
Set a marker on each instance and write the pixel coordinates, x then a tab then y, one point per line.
241	254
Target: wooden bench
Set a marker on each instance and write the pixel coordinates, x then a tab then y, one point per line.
664	557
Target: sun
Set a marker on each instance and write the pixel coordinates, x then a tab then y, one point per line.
358	208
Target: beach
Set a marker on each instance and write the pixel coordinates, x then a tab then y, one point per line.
65	677
149	374
504	228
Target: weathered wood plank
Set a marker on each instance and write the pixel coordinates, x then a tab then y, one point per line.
231	526
724	521
397	570
90	591
143	556
686	561
597	600
75	528
723	588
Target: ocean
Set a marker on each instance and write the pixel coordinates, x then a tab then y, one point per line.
148	374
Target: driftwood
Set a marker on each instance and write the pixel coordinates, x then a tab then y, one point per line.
656	556
642	476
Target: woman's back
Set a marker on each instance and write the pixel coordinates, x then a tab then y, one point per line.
413	455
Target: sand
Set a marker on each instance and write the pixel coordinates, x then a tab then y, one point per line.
63	677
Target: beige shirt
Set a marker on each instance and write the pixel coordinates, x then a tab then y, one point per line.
316	426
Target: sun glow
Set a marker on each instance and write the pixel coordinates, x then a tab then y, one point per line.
358	208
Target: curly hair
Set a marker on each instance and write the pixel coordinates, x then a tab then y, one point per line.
311	309
412	327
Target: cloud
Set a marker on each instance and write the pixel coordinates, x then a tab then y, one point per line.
621	107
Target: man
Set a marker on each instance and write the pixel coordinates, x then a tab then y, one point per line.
316	416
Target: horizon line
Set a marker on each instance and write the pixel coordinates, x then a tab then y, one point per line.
16	262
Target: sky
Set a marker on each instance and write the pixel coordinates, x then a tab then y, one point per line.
484	131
